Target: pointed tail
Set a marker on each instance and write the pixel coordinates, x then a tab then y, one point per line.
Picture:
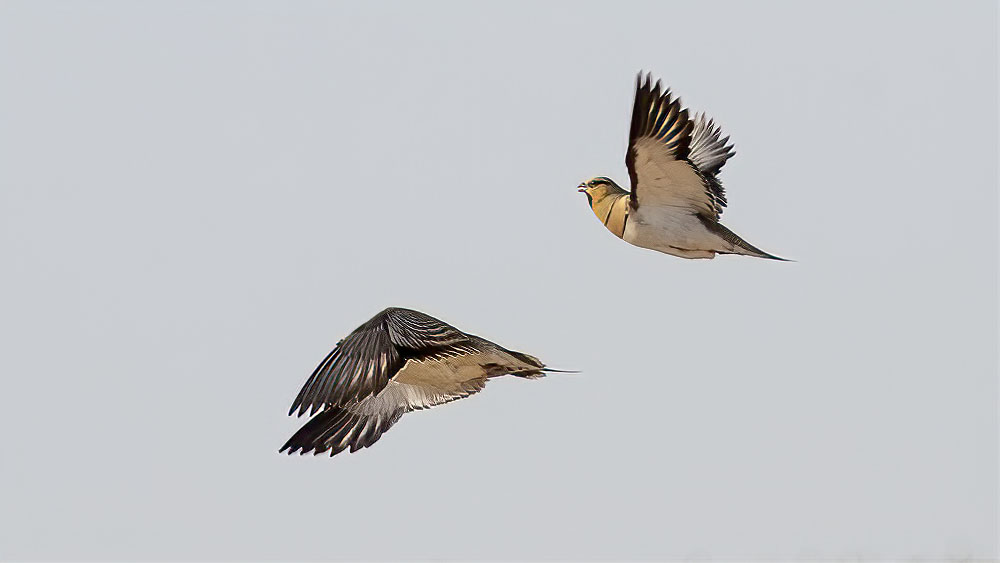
740	246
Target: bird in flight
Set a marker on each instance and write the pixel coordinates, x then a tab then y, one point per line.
400	360
676	198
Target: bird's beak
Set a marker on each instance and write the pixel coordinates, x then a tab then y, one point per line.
582	188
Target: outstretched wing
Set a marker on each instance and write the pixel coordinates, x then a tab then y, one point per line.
361	424
337	428
658	158
709	151
424	382
362	364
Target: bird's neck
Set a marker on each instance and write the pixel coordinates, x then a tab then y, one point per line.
611	208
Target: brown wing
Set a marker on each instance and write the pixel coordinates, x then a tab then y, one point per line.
658	156
424	382
363	363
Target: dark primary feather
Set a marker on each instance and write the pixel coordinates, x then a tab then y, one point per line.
336	429
362	364
708	151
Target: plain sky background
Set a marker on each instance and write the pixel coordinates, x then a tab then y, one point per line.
197	200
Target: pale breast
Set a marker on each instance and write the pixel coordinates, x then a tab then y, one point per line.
671	230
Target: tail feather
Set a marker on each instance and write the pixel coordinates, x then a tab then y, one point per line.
539	368
740	246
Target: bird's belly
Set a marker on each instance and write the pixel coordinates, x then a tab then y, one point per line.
669	230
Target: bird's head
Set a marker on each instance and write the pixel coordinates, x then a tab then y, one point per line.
598	188
608	202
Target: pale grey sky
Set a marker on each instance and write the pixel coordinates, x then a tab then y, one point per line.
197	200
